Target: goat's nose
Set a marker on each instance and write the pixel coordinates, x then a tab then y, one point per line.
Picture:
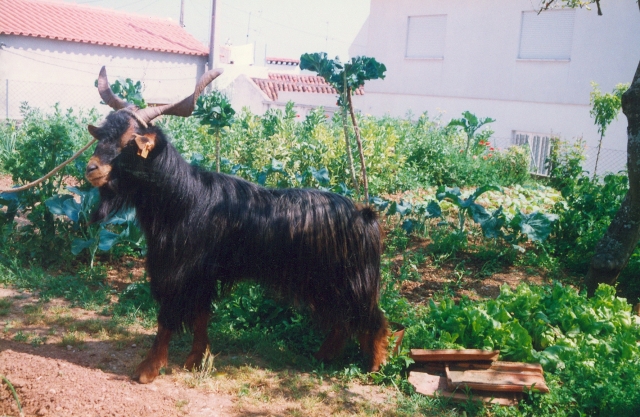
91	167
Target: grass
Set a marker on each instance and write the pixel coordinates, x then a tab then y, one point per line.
5	306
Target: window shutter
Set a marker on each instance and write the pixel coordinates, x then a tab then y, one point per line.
539	148
548	35
425	36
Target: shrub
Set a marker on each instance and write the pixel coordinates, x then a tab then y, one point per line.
42	142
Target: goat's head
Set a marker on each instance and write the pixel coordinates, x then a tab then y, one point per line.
128	127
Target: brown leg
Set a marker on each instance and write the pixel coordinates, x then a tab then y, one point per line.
332	345
157	357
200	341
374	346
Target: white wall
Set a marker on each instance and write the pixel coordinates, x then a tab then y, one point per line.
44	71
243	92
481	73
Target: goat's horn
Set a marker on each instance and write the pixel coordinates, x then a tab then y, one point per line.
183	108
107	95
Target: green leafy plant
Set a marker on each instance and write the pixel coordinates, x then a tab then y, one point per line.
93	237
565	163
44	141
584	215
215	111
589	344
470	124
413	216
466	206
605	109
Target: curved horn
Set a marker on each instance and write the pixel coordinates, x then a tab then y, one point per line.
107	95
185	107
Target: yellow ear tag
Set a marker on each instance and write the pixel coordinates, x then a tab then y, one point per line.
144	145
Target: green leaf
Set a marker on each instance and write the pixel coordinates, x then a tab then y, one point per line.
64	204
478	213
78	245
107	239
492	226
452	194
537	226
322	176
433	210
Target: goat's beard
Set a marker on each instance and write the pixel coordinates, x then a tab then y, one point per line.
110	202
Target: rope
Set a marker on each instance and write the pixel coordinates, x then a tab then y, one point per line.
50	174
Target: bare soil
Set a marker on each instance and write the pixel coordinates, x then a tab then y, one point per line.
65	361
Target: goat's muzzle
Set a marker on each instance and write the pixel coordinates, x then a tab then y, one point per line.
96	173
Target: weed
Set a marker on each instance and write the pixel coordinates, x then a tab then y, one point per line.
37	340
74	339
34	313
5	306
20	337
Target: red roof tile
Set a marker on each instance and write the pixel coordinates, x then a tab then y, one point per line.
78	23
296	83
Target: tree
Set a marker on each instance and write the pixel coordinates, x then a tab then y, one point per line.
346	79
613	251
215	111
605	109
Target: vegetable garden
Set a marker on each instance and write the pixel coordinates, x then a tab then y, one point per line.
451	204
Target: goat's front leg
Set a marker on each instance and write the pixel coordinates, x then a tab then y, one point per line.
200	341
157	357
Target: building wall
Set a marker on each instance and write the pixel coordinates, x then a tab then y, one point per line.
243	92
481	72
45	71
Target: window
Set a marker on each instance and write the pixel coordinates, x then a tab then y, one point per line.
539	147
548	35
425	36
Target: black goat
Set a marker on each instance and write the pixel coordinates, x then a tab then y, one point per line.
205	231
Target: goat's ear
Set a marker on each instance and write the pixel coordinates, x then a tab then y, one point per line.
93	131
145	143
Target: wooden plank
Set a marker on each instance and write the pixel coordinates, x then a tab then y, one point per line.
495	366
453	355
436	386
492	380
517	367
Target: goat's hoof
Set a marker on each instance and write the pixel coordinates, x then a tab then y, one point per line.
146	372
193	361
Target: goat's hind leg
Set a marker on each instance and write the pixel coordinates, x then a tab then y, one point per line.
157	357
200	341
374	342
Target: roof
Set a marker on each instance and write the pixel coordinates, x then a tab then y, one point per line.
282	61
296	83
85	24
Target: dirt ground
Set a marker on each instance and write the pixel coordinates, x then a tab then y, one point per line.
92	377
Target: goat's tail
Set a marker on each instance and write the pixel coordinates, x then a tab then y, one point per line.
369	215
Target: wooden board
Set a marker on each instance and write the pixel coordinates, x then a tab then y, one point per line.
496	380
453	355
495	366
434	386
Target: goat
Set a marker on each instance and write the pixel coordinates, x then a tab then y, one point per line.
206	231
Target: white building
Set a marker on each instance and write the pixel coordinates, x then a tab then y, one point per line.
501	59
52	52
